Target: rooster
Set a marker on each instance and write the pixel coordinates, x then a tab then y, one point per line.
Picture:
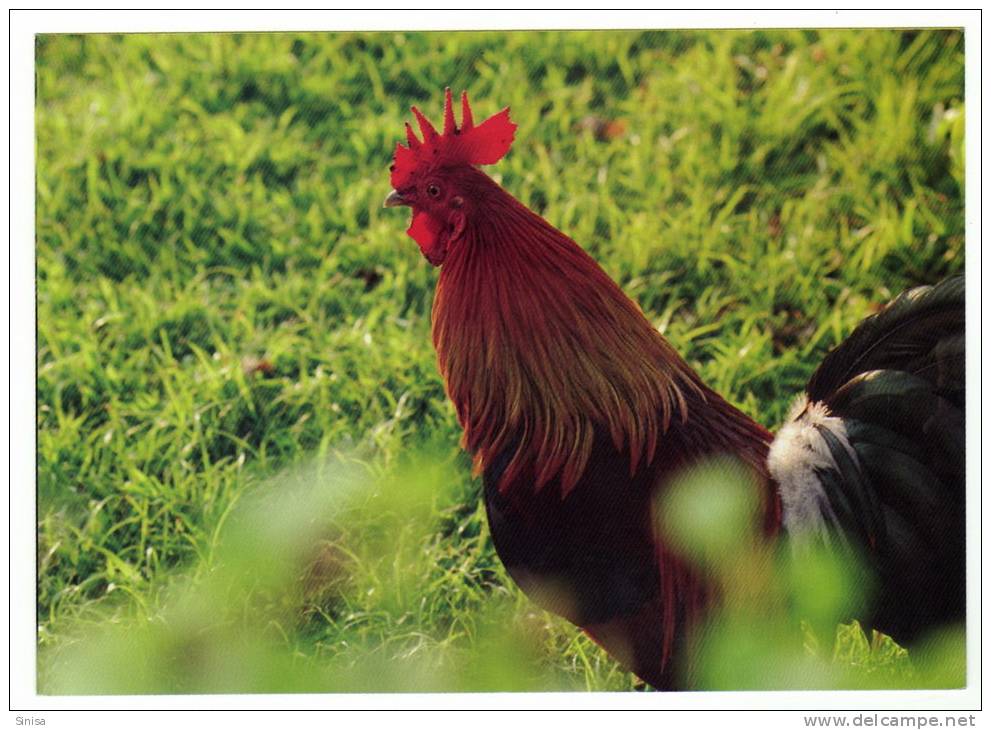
578	414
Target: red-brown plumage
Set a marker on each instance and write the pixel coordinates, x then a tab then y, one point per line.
533	338
574	407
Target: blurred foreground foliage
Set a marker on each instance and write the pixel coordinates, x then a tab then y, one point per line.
221	299
331	541
327	578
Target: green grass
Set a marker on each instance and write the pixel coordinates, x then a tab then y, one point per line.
223	306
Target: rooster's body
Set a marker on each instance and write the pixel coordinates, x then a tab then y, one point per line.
578	413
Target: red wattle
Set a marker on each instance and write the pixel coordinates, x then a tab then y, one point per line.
425	230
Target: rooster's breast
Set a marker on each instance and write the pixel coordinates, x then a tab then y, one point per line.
588	556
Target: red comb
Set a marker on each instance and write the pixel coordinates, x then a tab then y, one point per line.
467	145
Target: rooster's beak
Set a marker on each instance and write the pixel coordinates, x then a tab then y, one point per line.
394	199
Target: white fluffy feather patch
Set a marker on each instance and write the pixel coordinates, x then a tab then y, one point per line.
796	453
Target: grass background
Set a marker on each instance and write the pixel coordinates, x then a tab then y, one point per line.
228	319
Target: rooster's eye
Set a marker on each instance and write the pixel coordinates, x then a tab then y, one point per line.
433	191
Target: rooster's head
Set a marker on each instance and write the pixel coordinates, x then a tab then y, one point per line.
437	178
